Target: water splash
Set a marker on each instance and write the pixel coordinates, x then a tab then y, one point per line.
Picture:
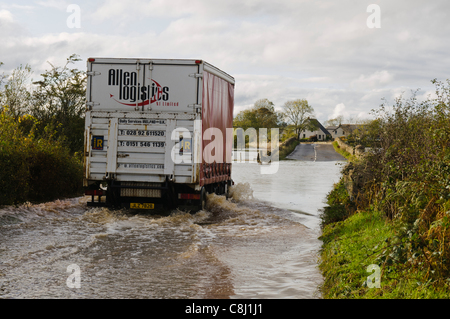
28	212
241	192
239	245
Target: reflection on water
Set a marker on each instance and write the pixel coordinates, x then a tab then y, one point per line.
297	186
255	246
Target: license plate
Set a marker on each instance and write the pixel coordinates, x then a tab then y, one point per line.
142	205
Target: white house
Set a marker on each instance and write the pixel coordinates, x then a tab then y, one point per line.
336	131
343	129
320	132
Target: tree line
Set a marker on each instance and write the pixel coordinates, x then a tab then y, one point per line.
53	103
41	133
293	118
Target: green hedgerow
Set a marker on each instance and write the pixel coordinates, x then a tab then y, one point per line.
34	169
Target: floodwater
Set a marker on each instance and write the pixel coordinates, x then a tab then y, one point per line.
261	244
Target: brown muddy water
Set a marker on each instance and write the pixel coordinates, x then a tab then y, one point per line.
261	244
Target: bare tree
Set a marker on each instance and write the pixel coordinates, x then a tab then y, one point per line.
2	76
59	99
335	122
298	112
15	93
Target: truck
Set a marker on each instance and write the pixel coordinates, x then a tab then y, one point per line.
158	132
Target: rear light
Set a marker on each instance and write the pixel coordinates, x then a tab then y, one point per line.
94	192
91	60
198	61
188	196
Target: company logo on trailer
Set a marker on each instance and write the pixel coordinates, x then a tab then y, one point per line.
130	90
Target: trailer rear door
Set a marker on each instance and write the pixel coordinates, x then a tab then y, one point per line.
143	86
133	109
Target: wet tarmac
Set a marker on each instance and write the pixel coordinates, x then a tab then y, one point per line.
315	152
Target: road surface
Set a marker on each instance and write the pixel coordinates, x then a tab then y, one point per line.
317	152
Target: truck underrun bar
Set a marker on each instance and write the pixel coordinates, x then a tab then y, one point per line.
166	186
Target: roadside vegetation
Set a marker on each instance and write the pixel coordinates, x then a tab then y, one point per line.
392	207
287	147
344	153
41	134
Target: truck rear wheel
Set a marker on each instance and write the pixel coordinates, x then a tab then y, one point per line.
227	190
112	197
203	198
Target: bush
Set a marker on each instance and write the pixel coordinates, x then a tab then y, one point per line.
53	173
339	205
406	178
287	147
34	169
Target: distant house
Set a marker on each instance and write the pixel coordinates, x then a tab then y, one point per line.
343	129
319	131
335	131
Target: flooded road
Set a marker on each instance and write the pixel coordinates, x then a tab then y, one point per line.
316	152
261	244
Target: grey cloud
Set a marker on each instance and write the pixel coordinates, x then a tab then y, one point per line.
280	50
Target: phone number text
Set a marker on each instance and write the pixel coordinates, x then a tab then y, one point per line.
141	144
141	133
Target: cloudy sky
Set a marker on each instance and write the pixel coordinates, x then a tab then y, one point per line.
321	50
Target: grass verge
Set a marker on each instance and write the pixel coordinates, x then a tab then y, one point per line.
287	147
351	245
344	153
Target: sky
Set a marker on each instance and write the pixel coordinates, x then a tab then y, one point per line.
342	56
